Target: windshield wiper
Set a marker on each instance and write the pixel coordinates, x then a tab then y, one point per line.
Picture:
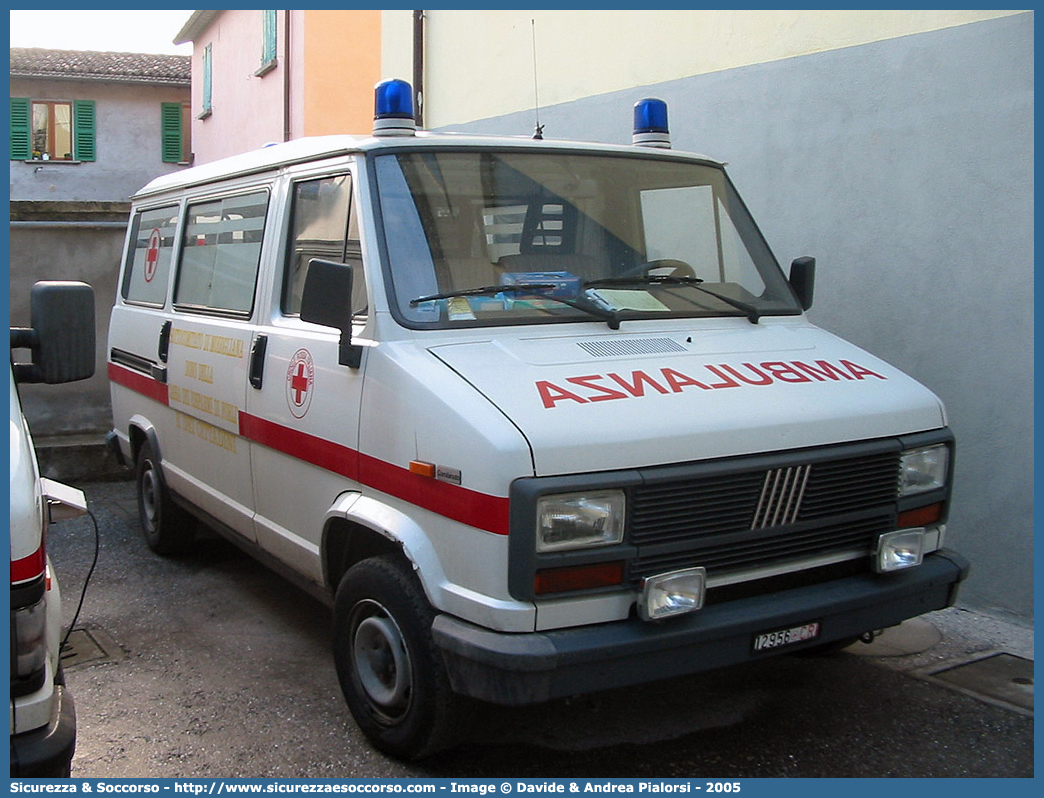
533	289
753	313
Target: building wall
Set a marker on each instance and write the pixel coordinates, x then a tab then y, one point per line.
333	65
128	142
342	63
904	164
480	63
53	250
68	222
247	110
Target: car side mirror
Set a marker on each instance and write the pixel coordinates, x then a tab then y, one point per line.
327	300
803	280
61	334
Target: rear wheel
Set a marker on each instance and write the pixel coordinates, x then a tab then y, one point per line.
390	671
168	529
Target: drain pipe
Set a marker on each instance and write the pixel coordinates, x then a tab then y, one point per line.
418	67
286	76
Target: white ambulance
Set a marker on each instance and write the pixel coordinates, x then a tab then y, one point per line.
538	417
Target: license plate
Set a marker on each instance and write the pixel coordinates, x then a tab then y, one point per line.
779	638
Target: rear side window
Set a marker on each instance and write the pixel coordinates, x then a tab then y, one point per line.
149	256
220	253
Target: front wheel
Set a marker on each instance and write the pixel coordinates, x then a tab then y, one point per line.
168	529
390	671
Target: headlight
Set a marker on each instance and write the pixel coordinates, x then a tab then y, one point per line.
924	469
579	520
901	549
670	594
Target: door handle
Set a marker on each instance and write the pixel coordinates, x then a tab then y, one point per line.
164	341
257	360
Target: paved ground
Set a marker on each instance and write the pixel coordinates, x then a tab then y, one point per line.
213	666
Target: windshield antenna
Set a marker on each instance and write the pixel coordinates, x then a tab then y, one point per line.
539	132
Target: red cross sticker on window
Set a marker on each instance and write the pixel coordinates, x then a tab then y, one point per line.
152	255
300	378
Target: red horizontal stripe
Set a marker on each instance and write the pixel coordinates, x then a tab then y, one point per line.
452	501
461	504
29	567
138	382
469	507
317	451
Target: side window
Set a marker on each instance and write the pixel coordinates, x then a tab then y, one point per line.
149	256
690	223
502	226
322	226
220	253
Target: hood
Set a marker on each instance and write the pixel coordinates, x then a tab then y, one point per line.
610	401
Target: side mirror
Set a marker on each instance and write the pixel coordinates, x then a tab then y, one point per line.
327	300
61	335
803	280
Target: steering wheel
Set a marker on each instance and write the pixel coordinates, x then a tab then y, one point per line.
678	268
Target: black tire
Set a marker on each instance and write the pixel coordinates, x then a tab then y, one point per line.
168	529
391	673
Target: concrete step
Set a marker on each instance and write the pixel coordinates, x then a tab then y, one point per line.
76	459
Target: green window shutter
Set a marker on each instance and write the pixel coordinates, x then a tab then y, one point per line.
21	129
268	52
84	130
170	124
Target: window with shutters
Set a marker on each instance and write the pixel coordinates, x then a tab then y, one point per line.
208	77
176	136
52	130
268	43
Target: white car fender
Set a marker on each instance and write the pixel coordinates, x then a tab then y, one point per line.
503	615
147	428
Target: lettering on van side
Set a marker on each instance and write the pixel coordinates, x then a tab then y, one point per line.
208	342
604	387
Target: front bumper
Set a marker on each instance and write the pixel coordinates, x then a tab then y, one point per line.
47	752
529	668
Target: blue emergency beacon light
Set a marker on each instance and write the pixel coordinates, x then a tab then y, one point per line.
393	109
650	124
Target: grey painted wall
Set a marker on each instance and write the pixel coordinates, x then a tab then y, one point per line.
906	168
128	142
90	255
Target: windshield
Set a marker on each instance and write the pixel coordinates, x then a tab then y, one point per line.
519	237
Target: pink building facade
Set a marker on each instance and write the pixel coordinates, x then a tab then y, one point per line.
267	76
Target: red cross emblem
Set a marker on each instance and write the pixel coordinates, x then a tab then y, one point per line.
300	377
152	255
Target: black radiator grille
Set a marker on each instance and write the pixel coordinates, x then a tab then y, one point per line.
743	551
754	518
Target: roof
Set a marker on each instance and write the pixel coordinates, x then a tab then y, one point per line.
37	62
195	26
317	148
